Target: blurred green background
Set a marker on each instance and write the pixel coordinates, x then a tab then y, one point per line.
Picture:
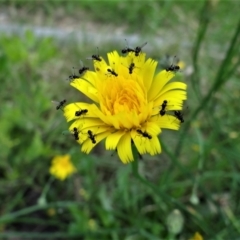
196	177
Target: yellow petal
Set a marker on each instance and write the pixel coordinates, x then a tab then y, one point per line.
139	142
90	77
86	88
87	145
147	72
99	114
70	110
151	128
173	86
174	97
101	70
154	146
167	121
124	148
160	80
113	59
113	139
82	124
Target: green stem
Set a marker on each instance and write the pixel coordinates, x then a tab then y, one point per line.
194	195
219	81
47	187
64	235
163	196
233	69
25	211
136	174
204	21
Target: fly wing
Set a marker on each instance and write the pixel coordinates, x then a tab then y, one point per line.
59	104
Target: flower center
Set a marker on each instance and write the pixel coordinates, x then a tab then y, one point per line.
120	95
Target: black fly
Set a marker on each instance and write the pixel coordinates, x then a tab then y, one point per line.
112	72
91	136
73	76
173	67
82	70
162	111
60	104
137	50
144	134
127	49
179	116
76	133
81	112
131	67
96	57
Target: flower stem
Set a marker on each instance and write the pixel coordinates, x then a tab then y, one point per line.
147	183
204	22
163	196
220	79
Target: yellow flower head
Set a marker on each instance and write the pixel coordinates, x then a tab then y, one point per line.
131	104
62	167
92	224
197	236
181	64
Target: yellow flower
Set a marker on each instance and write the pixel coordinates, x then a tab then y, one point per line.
197	236
62	167
92	224
51	212
128	98
181	64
